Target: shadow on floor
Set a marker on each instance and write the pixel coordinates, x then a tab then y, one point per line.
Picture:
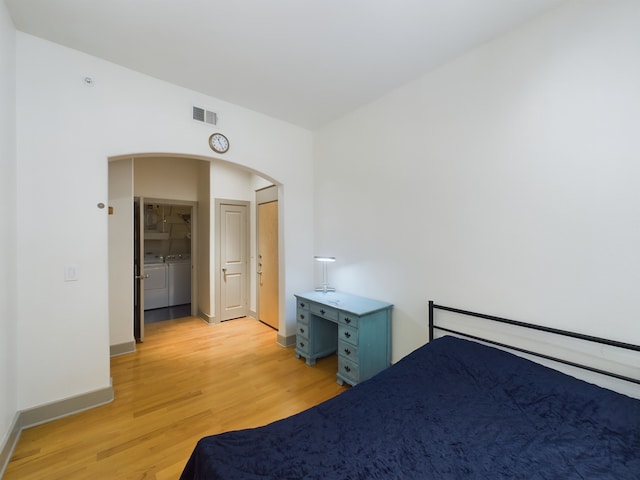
168	313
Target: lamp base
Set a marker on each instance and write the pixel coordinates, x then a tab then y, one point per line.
325	289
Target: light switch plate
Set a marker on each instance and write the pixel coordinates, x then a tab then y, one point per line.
70	273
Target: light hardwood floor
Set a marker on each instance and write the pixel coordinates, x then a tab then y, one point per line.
187	380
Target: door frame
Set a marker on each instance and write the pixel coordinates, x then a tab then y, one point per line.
217	255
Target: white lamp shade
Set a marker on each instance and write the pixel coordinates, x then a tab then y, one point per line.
325	259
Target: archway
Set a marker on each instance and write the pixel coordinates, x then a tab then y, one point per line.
206	179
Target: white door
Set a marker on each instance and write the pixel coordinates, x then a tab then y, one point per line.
233	278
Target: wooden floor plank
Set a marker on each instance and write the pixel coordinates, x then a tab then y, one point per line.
187	380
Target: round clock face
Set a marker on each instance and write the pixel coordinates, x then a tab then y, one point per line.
218	143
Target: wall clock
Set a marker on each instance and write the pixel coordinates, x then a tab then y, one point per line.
219	143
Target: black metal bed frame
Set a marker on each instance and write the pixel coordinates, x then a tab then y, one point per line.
566	333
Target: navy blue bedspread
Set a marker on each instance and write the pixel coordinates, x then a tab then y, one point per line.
452	409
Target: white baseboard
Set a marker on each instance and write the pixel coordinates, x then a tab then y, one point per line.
122	348
11	441
286	342
207	318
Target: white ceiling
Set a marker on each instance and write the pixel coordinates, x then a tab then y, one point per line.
303	61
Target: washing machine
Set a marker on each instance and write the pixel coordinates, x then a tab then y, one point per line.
179	279
156	284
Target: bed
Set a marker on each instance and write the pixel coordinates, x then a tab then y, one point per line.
454	408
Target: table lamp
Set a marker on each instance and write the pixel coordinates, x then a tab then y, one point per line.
325	279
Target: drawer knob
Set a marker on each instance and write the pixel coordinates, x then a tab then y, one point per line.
347	351
347	368
302	344
301	304
347	320
302	330
347	334
322	312
302	316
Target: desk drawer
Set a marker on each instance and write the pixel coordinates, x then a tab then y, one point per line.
324	311
302	345
348	334
348	319
303	316
348	369
302	330
348	350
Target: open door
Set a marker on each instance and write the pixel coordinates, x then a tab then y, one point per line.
138	270
268	263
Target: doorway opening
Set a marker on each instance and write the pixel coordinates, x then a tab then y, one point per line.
157	179
164	258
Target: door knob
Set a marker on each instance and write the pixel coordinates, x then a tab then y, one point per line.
142	277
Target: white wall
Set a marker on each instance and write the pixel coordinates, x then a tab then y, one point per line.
8	268
66	132
203	237
166	178
120	245
504	182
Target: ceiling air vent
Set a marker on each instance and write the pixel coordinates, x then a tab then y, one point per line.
205	116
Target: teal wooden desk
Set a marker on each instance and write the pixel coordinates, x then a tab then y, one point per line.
358	328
